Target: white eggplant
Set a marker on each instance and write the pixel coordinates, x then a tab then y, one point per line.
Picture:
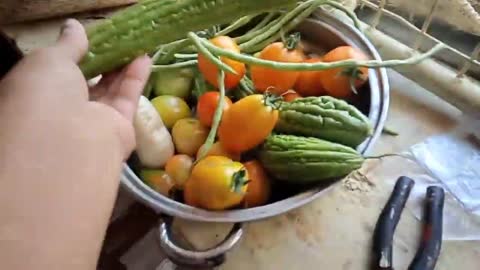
154	142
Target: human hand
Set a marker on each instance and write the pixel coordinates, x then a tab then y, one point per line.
62	146
50	76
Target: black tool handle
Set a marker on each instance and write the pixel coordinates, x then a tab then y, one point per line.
387	222
431	242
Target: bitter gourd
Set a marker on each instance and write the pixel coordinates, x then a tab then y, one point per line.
325	118
305	160
141	28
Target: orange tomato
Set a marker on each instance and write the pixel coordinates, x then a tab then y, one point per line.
309	82
206	106
276	81
336	81
210	70
179	167
290	95
259	187
247	124
218	150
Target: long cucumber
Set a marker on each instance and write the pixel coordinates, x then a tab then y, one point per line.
141	28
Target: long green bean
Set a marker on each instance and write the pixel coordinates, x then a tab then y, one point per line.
288	27
237	24
186	55
216	117
284	20
170	49
264	21
251	34
190	63
318	65
349	13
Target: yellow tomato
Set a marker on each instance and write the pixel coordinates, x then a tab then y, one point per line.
171	109
216	183
188	135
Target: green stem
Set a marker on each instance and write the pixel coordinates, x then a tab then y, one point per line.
216	117
389	131
237	24
156	68
198	42
385	155
349	13
320	65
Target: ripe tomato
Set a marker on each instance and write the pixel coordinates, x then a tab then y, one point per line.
210	70
206	106
188	135
216	183
259	188
247	123
308	82
218	150
336	81
290	95
179	167
278	81
171	109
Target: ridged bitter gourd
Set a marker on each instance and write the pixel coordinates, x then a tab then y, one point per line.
304	160
141	28
326	118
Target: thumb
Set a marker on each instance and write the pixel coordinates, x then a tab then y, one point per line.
72	42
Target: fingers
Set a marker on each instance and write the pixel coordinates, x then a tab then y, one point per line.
128	89
121	127
100	90
72	42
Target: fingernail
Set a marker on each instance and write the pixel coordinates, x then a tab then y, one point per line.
67	25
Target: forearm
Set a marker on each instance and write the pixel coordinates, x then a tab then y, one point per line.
51	219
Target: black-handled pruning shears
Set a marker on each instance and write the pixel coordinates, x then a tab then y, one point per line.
429	250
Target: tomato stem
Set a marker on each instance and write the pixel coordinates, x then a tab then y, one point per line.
239	180
270	100
292	41
353	74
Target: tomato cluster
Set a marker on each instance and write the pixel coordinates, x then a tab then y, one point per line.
214	175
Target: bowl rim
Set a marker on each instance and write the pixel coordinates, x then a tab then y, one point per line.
379	102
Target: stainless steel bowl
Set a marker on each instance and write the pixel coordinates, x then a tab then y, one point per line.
330	32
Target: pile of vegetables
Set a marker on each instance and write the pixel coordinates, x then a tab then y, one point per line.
232	109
